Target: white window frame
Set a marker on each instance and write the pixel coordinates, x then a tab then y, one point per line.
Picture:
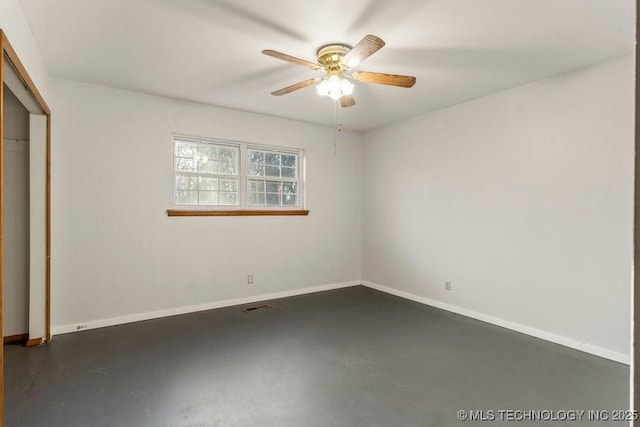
243	190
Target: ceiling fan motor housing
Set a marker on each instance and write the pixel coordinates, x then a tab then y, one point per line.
330	57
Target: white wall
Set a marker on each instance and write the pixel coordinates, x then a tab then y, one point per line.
523	199
15	25
15	233
115	251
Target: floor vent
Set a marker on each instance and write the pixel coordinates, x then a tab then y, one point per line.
256	308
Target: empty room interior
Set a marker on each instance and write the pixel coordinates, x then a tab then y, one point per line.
365	213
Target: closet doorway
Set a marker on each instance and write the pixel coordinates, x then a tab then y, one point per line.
25	158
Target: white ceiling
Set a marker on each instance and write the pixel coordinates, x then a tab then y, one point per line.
209	50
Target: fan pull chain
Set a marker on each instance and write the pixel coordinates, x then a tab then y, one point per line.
335	132
338	128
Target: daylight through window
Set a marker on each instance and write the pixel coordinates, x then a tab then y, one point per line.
218	173
272	178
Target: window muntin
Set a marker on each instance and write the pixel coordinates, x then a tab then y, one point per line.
219	173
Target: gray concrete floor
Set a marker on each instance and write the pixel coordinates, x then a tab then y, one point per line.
349	357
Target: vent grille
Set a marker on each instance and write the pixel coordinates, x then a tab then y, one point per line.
256	308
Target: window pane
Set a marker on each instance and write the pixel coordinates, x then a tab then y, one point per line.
273	186
228	160
186	182
207	152
289	187
289	200
208	197
186	149
252	185
210	184
228	198
185	164
256	185
273	199
288	172
186	197
272	159
230	185
210	166
256	199
289	160
273	171
228	168
255	156
255	170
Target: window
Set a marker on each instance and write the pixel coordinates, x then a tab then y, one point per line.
206	173
227	174
272	178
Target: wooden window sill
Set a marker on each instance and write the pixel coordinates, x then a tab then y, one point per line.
244	212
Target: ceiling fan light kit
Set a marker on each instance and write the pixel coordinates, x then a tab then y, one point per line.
336	61
335	84
334	87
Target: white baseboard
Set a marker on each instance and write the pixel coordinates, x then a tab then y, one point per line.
548	336
93	324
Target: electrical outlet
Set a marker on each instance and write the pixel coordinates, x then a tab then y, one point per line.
250	279
447	285
326	269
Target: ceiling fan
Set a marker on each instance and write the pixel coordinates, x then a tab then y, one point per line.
336	61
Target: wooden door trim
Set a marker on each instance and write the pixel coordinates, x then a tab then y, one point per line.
15	338
12	56
9	52
2	38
